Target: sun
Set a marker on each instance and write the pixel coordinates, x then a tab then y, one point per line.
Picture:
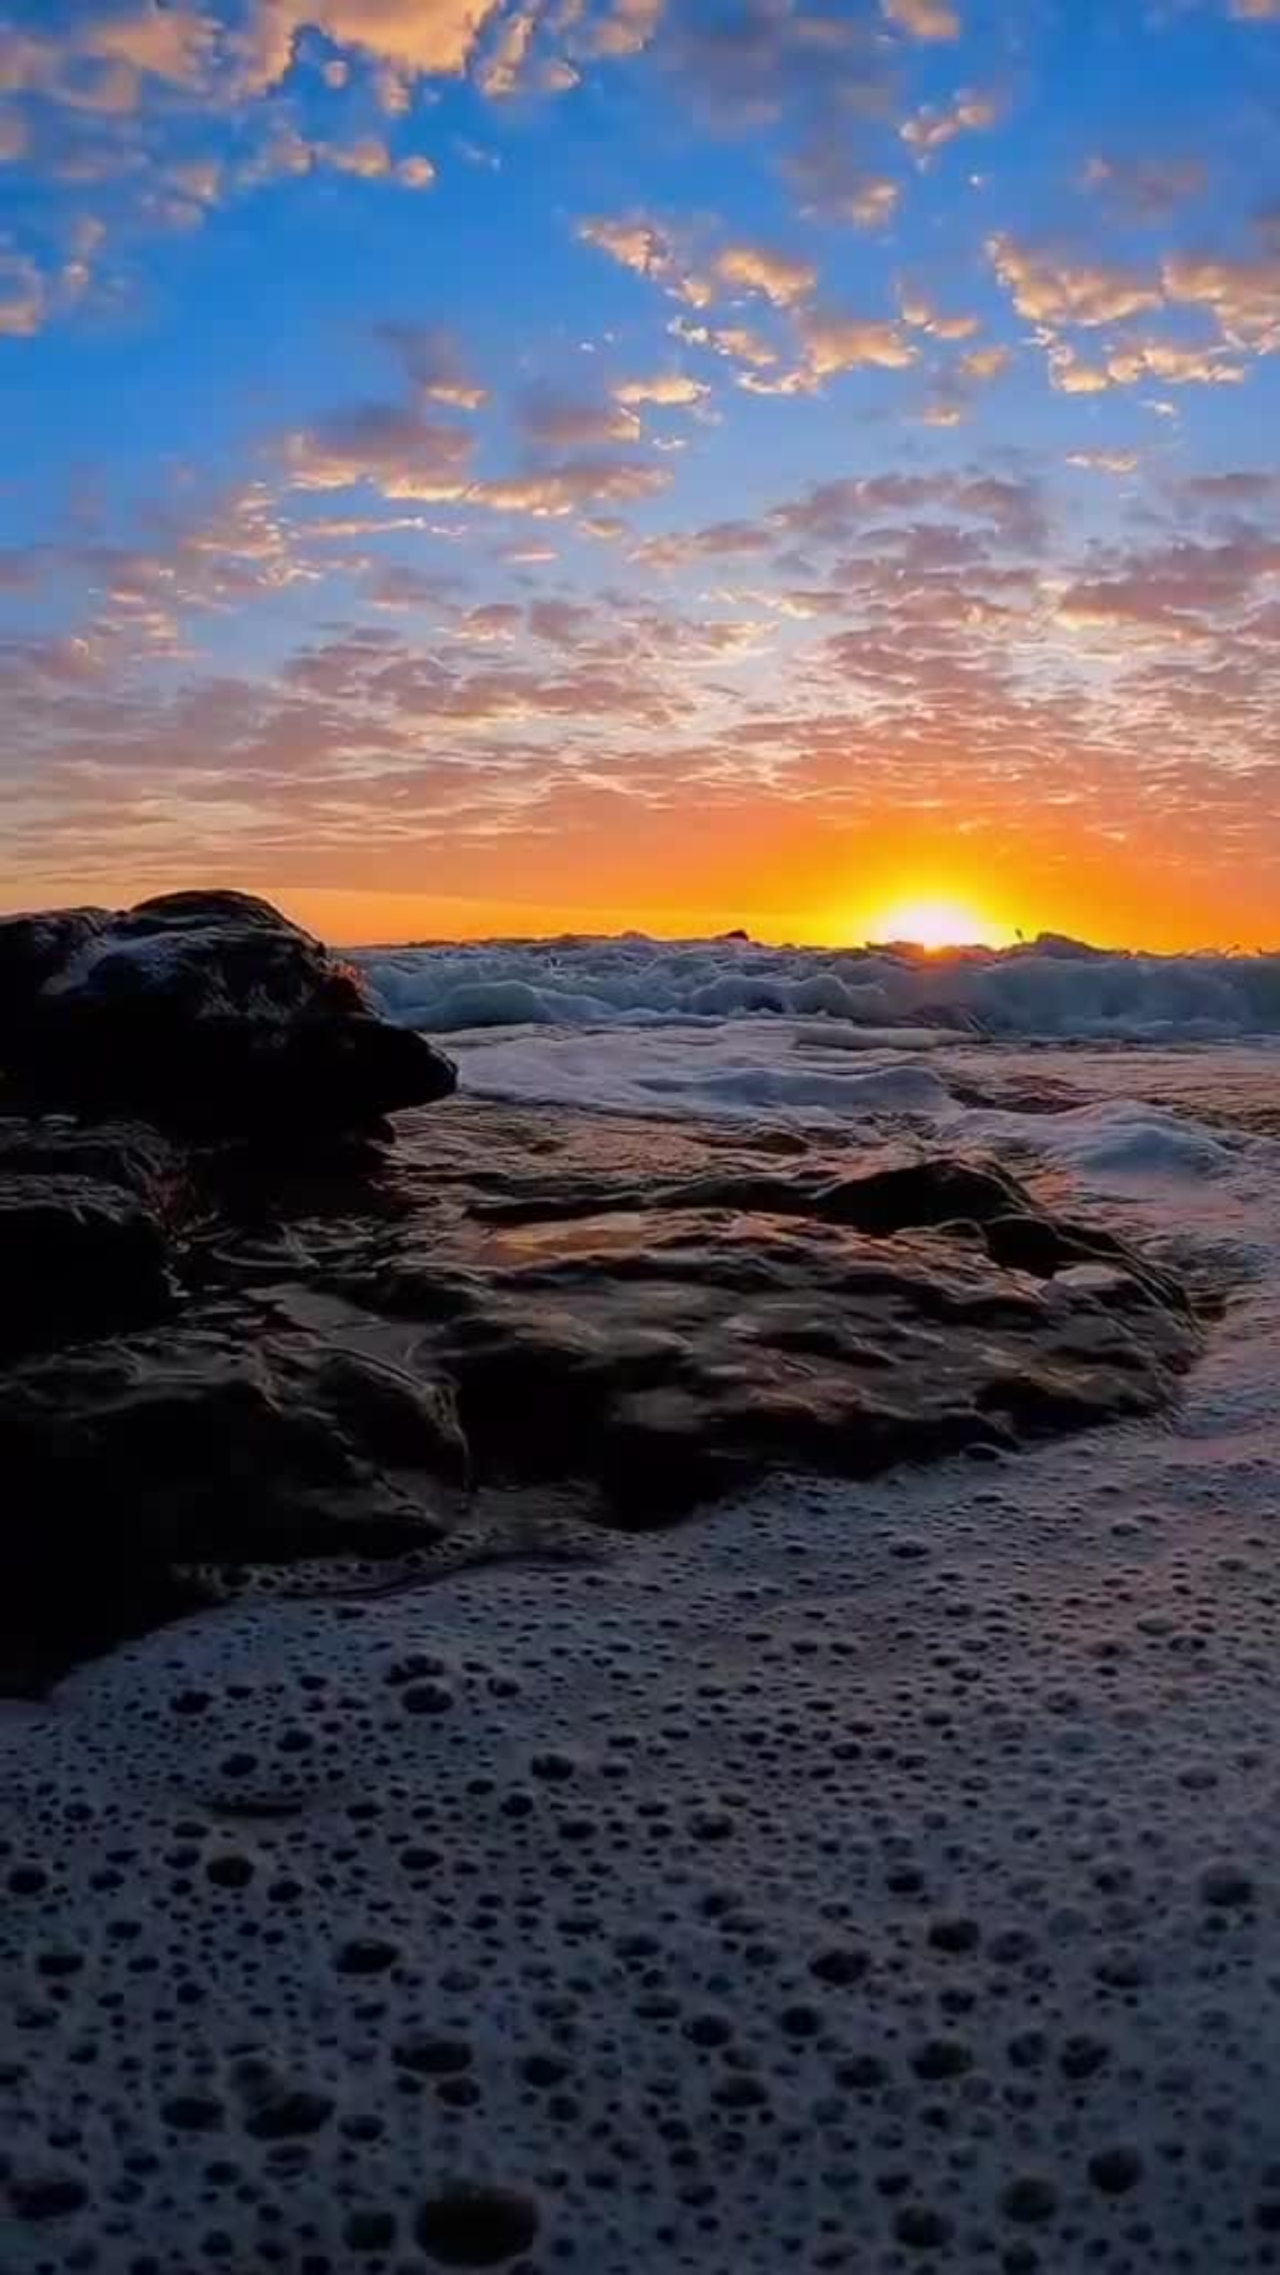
938	923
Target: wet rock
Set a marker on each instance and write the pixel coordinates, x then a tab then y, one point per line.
207	1013
86	1227
126	1463
669	1354
130	1156
637	1315
32	950
79	1258
206	1447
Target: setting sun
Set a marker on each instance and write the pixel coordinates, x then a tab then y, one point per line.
938	923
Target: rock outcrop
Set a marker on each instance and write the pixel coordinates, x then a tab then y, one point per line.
518	1309
209	1014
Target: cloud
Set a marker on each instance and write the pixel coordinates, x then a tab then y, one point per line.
1105	461
566	422
403	453
425	38
649	248
666	390
550	492
506	67
758	61
1148	189
20	568
1186	589
432	360
14	136
1139	360
109	47
369	158
780	277
644	246
834	512
200	179
836	343
924	19
1244	295
1048	288
1244	486
739	343
932	128
24	297
624	28
920	313
906	516
985	363
835	181
99	57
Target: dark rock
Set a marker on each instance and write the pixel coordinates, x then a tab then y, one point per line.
1062	948
637	1314
665	1355
197	911
125	1463
79	1257
207	1448
86	1225
130	1156
32	950
208	1013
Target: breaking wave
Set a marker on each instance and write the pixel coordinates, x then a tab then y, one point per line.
1048	987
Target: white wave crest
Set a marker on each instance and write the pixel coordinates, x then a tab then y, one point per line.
1049	987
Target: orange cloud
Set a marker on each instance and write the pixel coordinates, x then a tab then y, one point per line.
666	390
24	297
779	277
835	343
924	19
932	129
1051	289
403	453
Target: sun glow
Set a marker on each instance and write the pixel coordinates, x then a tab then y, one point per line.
939	923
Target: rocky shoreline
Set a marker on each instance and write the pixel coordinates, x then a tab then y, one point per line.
253	1324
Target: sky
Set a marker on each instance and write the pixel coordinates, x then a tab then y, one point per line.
482	466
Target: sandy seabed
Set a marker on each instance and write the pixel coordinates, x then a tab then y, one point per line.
869	1877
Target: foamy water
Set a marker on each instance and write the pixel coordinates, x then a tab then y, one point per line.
1052	988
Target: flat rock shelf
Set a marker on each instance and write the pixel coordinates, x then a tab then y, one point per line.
234	1372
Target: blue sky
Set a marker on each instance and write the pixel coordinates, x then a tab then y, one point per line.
481	462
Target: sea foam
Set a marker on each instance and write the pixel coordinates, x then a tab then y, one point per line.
1050	987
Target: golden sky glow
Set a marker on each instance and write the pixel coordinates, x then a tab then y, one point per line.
932	921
